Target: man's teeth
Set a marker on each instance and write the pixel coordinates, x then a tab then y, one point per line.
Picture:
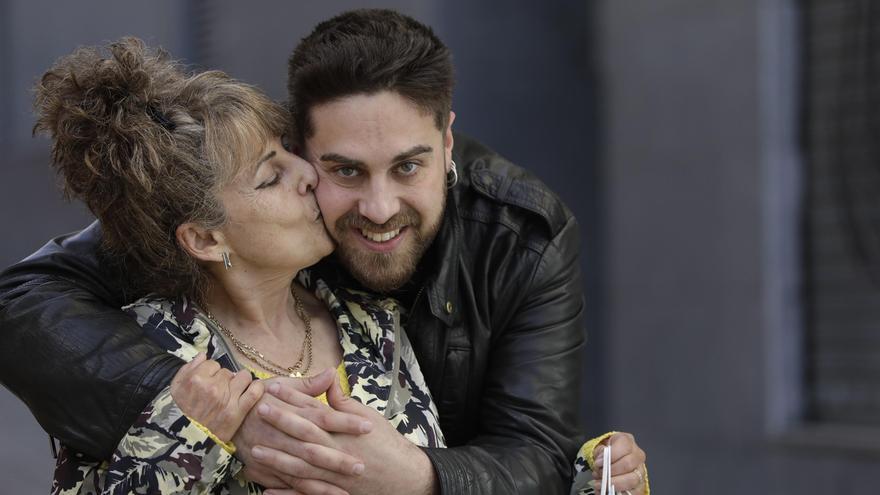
380	236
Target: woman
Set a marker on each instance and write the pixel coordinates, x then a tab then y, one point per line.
215	221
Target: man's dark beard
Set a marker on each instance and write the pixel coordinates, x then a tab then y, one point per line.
384	272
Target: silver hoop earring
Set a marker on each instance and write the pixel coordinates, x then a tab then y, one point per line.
227	263
451	176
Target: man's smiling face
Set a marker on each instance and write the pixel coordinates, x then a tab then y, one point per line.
382	164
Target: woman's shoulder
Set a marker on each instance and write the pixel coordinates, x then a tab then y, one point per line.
173	323
153	312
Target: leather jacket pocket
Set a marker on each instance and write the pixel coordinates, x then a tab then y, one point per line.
454	402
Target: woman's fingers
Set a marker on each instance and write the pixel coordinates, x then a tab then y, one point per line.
627	462
239	382
214	396
627	481
187	369
249	398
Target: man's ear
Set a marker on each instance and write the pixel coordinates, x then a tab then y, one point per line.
201	243
448	140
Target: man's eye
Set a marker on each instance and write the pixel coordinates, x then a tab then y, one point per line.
271	182
347	172
408	168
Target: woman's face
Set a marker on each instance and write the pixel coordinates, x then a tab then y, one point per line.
274	223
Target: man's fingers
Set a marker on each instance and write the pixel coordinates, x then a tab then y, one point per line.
318	384
309	487
329	459
336	421
320	414
262	475
334	394
292	392
296	391
289	465
291	423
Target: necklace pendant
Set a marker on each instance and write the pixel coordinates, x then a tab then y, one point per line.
295	374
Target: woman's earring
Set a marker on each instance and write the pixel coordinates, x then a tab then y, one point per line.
227	263
451	176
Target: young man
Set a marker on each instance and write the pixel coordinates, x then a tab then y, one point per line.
484	256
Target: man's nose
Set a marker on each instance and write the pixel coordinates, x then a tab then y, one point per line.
379	202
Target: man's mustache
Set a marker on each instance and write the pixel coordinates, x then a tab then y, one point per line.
406	217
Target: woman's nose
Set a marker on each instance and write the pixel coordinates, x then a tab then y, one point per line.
308	180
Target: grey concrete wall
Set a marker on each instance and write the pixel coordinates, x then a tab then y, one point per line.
701	177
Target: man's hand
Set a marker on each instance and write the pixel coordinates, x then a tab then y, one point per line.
309	438
393	464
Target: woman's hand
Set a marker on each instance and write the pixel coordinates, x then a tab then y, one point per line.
627	464
214	396
391	463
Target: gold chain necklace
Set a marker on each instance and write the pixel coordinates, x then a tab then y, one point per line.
260	359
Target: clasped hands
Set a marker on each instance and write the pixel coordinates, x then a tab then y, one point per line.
291	443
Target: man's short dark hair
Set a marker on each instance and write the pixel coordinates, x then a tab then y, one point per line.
365	52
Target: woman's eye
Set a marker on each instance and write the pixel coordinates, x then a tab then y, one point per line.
285	143
271	182
408	168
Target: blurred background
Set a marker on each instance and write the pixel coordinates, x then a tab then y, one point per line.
721	156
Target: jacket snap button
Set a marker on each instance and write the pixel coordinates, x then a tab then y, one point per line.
449	307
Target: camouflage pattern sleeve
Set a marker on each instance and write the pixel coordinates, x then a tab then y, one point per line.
163	452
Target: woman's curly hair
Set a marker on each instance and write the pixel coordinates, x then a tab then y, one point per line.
148	147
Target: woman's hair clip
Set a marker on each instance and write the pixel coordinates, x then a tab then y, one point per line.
160	118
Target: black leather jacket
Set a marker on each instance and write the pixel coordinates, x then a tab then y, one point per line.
496	323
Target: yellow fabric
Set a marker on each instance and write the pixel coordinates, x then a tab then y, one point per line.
587	453
587	449
340	370
227	446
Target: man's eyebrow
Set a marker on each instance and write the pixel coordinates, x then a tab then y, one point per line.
400	157
414	151
340	159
